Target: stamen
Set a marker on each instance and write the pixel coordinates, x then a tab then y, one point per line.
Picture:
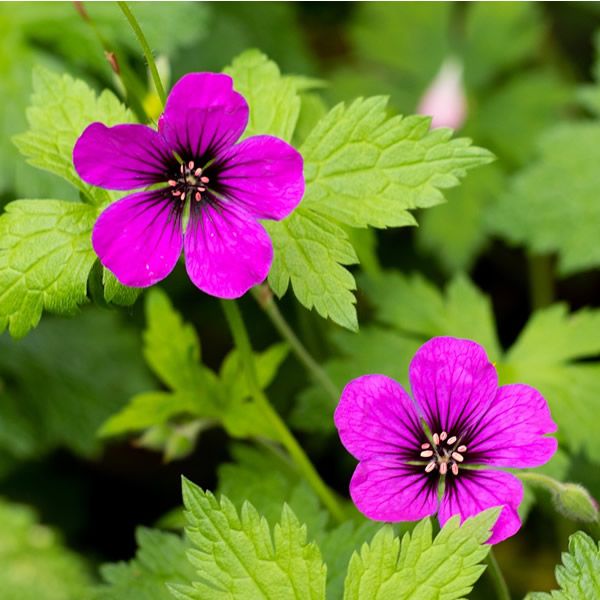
443	436
175	192
436	439
454	469
172	182
198	196
427	453
182	169
424	446
452	440
430	467
462	448
204	179
198	172
201	188
443	468
191	165
458	457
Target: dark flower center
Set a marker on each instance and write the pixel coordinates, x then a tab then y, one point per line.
190	182
445	453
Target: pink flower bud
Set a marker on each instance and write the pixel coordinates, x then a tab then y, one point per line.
444	100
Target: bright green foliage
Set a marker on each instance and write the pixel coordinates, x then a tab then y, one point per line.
45	260
62	107
551	206
33	562
579	575
267	481
238	556
455	231
62	381
365	169
419	568
160	560
274	101
172	350
310	251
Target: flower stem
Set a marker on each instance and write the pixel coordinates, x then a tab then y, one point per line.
242	343
541	281
541	480
145	48
264	297
502	592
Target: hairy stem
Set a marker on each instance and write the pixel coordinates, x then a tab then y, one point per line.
305	466
502	592
264	297
541	480
145	48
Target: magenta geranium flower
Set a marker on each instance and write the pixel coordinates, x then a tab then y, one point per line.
441	451
202	192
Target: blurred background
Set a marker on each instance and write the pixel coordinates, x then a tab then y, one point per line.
529	73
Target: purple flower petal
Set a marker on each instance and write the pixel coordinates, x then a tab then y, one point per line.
471	492
453	383
263	173
139	238
123	157
376	417
203	115
227	251
511	433
385	489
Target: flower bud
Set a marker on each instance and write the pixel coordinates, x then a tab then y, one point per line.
445	100
576	503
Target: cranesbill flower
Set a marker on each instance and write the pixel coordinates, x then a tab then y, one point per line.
201	191
441	451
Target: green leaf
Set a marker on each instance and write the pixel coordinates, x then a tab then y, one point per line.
309	251
419	568
455	231
34	563
45	260
62	107
267	481
117	293
160	560
535	212
239	556
365	169
273	99
579	574
86	367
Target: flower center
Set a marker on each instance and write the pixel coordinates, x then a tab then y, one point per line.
190	182
445	452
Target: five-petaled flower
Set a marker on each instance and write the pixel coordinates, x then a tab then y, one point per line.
408	471
201	191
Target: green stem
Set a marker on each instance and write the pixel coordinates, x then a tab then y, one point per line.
541	280
242	343
498	581
145	48
541	480
264	297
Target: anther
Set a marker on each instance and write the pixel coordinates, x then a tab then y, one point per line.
172	182
427	453
204	179
175	192
424	446
454	469
201	188
430	467
452	440
436	439
458	457
443	436
198	172
443	468
191	165
462	448
198	196
182	169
